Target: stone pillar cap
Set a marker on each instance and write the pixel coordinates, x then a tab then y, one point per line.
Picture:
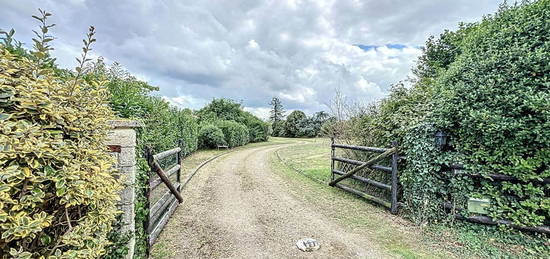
125	123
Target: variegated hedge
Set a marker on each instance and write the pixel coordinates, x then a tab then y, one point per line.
58	191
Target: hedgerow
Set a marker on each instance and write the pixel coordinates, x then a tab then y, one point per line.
58	190
163	126
211	136
236	134
486	85
228	110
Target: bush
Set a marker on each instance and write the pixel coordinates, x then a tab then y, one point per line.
258	130
229	110
236	134
164	126
211	136
485	85
495	103
58	191
291	126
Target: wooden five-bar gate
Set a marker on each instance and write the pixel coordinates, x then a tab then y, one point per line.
338	175
164	207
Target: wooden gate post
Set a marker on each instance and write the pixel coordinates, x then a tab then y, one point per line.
332	155
394	158
148	154
181	144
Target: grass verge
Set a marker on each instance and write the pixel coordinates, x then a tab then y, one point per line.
397	235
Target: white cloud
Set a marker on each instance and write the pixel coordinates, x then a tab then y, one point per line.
252	50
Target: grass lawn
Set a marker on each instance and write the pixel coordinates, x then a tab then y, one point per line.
460	239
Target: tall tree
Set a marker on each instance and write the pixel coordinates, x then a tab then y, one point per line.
293	122
277	110
276	116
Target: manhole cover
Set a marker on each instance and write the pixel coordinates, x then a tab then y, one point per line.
308	244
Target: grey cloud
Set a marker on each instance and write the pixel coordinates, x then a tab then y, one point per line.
252	50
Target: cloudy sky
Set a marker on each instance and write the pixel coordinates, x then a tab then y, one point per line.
250	51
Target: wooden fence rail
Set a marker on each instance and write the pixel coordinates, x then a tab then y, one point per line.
160	212
338	175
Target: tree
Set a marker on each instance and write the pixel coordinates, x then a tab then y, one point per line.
293	122
276	116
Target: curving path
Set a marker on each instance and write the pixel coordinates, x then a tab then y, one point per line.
237	206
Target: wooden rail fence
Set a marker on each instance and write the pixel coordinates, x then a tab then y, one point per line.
160	212
337	175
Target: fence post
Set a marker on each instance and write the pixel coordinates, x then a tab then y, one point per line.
148	154
180	162
332	154
394	158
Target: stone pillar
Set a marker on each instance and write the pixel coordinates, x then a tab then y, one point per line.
122	143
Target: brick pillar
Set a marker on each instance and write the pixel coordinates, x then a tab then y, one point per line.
122	143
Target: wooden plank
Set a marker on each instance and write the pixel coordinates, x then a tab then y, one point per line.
148	156
166	153
162	222
160	206
174	169
364	195
162	175
368	163
356	162
365	180
489	221
361	148
394	159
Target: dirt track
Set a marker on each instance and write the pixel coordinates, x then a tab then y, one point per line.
237	206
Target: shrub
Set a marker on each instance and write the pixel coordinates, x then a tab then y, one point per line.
211	136
164	126
236	134
291	126
495	103
486	85
258	130
229	110
58	191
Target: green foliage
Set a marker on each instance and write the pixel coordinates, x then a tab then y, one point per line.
236	134
211	136
292	123
58	191
487	86
258	129
495	101
229	110
164	126
119	240
222	109
277	117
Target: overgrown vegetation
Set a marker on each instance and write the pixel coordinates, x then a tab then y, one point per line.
163	126
486	86
297	123
238	126
58	191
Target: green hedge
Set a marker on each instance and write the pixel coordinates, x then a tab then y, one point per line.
487	86
494	101
229	110
236	134
211	136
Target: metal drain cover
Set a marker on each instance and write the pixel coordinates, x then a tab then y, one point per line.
308	244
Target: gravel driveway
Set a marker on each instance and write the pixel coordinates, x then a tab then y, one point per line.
237	206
